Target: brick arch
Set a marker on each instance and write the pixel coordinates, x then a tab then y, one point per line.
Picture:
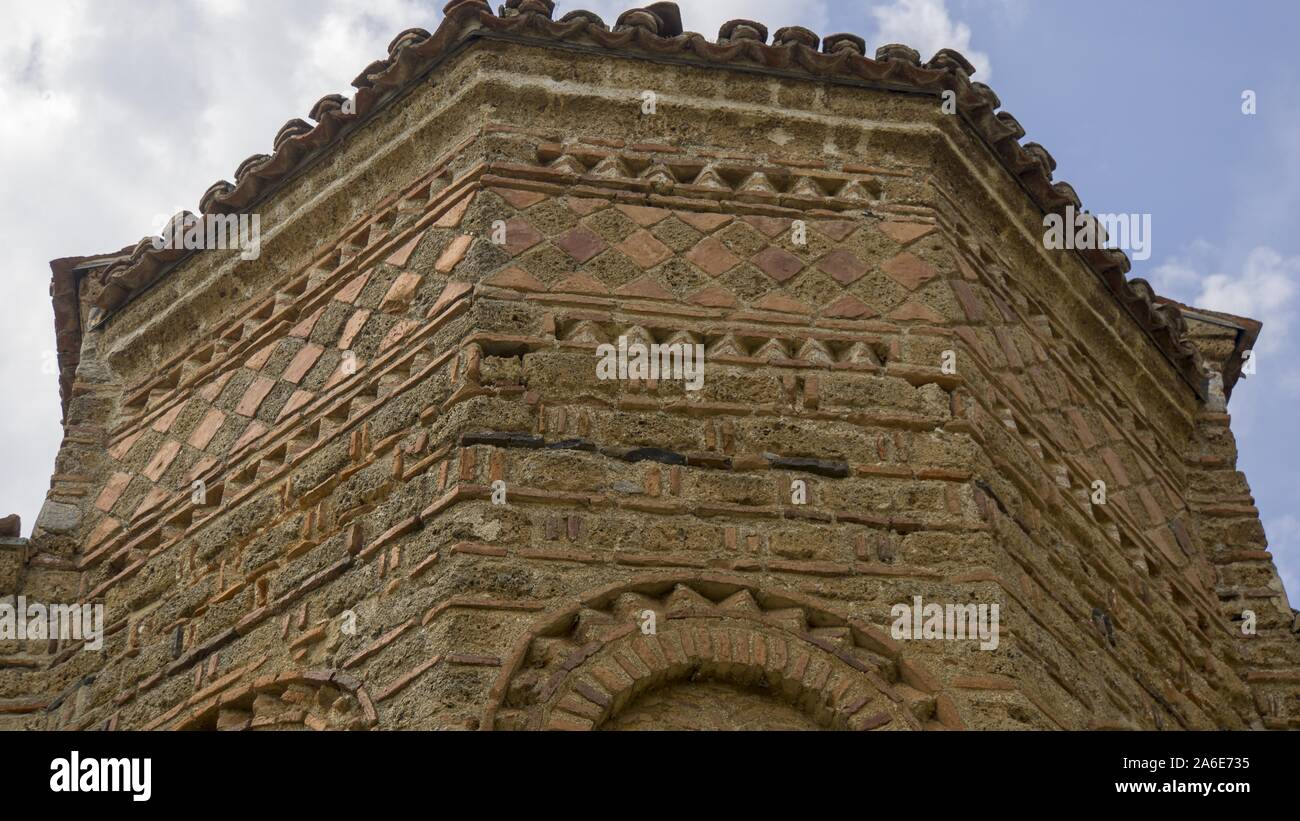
296	700
578	667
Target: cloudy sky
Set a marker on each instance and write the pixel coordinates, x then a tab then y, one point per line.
117	111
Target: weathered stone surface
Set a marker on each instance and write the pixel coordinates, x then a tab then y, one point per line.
402	421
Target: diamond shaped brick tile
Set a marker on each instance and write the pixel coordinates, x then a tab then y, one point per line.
519	199
643	249
838	230
703	222
843	267
909	270
516	278
905	232
770	227
778	263
714	296
458	247
713	257
581	243
848	307
520	236
643	216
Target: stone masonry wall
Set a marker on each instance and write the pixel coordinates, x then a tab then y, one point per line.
349	400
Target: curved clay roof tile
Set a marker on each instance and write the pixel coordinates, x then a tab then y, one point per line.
546	8
208	202
1117	259
406	38
797	34
249	165
948	59
670	18
326	104
836	43
590	16
987	97
1046	162
457	7
898	52
638	19
742	30
363	80
291	129
1012	124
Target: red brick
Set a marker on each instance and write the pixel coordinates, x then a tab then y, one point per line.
350	292
643	216
258	360
517	279
582	206
771	227
519	199
643	249
778	263
703	222
254	431
581	243
970	303
843	267
400	257
302	363
452	216
454	253
352	328
206	429
164	423
905	232
848	307
909	270
838	230
783	304
713	296
915	311
112	491
400	293
580	284
254	395
296	401
646	287
712	257
162	460
304	328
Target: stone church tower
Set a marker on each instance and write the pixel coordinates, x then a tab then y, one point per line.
371	478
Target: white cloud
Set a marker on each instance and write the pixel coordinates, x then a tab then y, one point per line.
1265	289
117	111
926	26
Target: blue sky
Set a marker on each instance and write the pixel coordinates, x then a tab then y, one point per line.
114	115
